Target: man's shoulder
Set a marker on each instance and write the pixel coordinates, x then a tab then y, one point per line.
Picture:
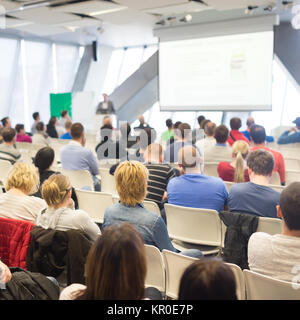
240	187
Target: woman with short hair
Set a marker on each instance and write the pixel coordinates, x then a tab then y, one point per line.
17	202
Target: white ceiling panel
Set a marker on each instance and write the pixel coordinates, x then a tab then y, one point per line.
8	5
237	4
15	23
42	30
146	4
81	23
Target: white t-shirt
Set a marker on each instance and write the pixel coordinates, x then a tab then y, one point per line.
274	255
20	207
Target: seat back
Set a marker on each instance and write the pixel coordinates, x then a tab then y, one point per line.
156	276
269	225
80	179
261	287
276	187
292	176
151	206
108	183
211	169
229	185
239	281
275	178
175	266
5	167
292	164
94	203
192	225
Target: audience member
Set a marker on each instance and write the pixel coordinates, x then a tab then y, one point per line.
110	271
16	203
258	136
61	214
67	134
184	138
255	197
40	136
6	122
21	136
192	188
7	148
278	255
207	279
237	170
292	135
235	134
64	117
107	148
250	122
221	151
209	140
169	134
197	134
74	156
175	131
36	117
142	124
131	183
126	139
51	128
145	138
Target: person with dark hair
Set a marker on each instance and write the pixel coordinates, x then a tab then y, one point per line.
107	148
110	271
36	117
40	136
258	136
51	128
198	133
145	138
67	134
126	139
235	134
169	134
207	279
74	156
7	148
21	136
256	197
221	151
6	122
292	135
278	256
175	132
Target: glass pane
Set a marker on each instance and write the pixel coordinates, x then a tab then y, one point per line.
148	52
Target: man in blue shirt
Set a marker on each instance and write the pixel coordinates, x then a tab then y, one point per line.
192	188
67	134
74	156
292	135
255	197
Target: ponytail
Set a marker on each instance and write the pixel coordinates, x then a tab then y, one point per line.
239	169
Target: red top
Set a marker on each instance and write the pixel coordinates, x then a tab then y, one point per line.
237	136
279	161
226	172
23	138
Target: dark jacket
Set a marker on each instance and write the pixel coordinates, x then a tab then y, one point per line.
240	227
51	252
26	285
51	131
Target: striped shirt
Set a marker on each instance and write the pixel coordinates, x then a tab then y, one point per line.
159	176
20	207
9	153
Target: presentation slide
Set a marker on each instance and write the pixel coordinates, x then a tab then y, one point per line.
232	72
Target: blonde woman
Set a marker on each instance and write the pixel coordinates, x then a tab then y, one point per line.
17	202
131	183
60	214
236	171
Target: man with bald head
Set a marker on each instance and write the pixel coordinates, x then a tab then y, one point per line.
193	189
142	124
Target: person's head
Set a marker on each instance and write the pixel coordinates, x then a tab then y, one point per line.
235	123
64	114
250	122
207	279
36	116
184	131
221	134
53	121
209	129
20	128
169	124
258	134
141	119
6	122
176	130
116	265
56	190
154	153
289	206
204	123
77	131
107	121
260	163
44	159
105	97
297	122
189	159
146	136
68	125
131	182
106	132
40	127
240	150
200	119
23	177
9	135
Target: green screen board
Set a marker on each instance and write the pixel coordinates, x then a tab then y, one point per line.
59	102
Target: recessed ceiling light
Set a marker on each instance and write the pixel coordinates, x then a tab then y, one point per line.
97	13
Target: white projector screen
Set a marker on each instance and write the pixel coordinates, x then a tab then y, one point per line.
232	72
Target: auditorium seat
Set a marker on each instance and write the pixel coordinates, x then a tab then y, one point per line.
269	225
5	167
81	179
211	169
292	176
108	183
275	178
